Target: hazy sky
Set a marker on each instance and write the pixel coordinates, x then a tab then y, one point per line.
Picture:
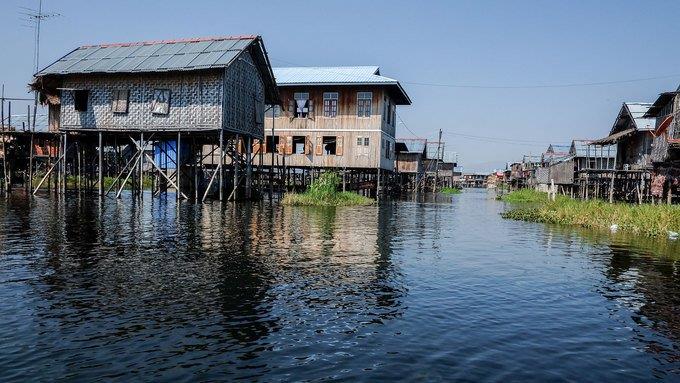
492	46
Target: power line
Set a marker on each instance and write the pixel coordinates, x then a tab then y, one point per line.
538	86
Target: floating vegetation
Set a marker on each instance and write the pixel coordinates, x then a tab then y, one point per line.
448	190
647	220
324	192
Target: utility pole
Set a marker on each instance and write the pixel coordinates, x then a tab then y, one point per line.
436	169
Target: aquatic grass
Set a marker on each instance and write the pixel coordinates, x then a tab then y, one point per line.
448	190
324	192
646	220
524	195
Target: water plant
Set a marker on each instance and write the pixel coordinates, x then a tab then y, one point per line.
324	192
646	220
453	190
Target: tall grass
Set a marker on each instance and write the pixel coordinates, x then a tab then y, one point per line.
647	220
524	195
324	192
453	190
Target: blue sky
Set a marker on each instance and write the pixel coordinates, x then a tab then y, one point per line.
477	43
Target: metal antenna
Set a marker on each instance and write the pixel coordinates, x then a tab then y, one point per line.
33	19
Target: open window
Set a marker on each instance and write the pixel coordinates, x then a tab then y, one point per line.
302	105
329	145
272	144
80	97
161	101
299	145
119	101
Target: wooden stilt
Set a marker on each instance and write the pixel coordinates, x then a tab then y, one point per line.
220	168
178	164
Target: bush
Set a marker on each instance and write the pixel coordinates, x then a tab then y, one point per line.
324	192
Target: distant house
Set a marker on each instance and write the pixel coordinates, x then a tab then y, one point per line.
591	157
632	133
555	153
410	161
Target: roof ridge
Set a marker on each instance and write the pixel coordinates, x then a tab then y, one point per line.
172	41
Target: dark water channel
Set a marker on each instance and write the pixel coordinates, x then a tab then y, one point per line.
416	291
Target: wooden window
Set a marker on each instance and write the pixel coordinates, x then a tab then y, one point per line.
330	104
366	141
289	145
339	145
80	97
364	101
388	149
272	144
119	101
360	141
302	105
329	145
161	101
299	144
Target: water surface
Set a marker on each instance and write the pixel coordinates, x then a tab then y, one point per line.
433	290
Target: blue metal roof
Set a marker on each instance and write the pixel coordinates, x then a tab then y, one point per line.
151	56
338	75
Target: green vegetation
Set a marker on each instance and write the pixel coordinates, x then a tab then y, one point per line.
524	195
324	192
451	190
647	220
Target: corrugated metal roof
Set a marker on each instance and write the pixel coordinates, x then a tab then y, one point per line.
637	110
151	56
331	75
581	148
659	104
339	75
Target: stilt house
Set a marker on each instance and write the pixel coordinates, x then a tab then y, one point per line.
177	96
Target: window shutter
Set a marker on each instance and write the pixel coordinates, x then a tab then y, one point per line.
281	147
308	145
291	107
289	145
339	145
311	108
319	146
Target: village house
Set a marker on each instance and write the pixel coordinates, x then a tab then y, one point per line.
588	157
410	162
175	96
342	118
666	146
632	133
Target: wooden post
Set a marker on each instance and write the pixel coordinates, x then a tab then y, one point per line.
30	164
234	161
249	167
669	196
101	164
178	158
141	166
220	167
611	187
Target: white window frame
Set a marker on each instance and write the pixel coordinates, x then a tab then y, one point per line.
331	110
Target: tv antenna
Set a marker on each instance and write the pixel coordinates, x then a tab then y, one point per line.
33	19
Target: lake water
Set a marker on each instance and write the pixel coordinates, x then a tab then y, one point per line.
417	291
